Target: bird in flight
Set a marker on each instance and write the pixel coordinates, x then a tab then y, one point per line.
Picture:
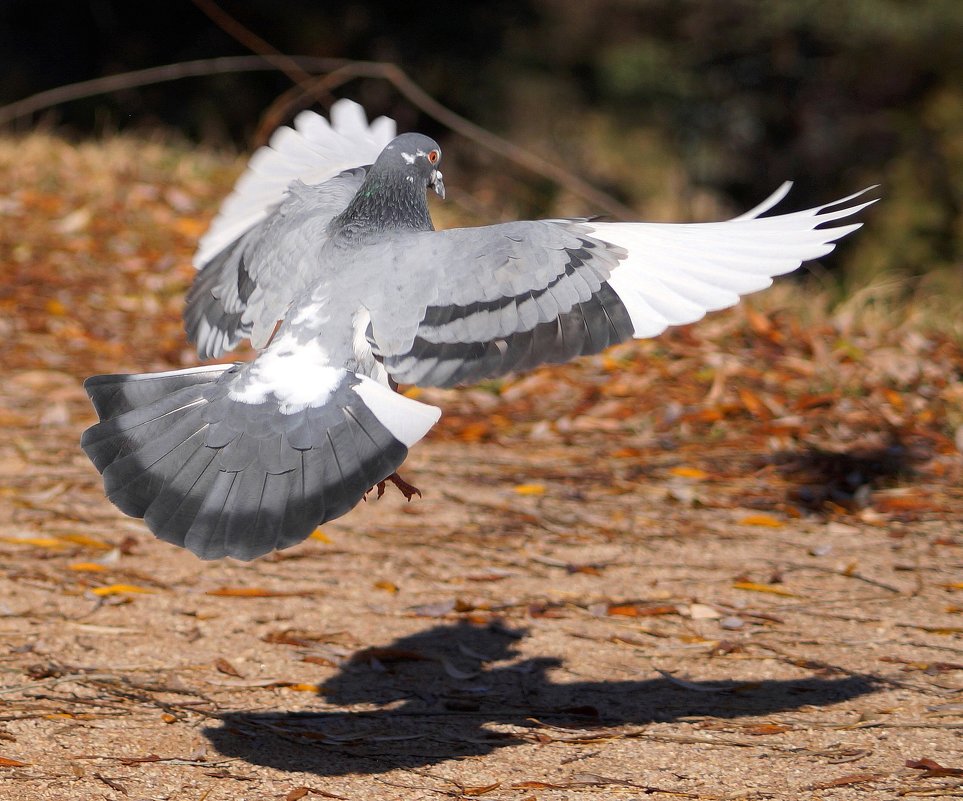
325	257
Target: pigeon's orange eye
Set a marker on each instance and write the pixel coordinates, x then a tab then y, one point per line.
433	157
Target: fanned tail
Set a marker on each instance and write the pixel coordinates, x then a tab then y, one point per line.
222	470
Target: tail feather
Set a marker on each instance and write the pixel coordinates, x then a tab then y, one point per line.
106	445
208	532
306	498
112	395
174	510
175	506
138	474
224	473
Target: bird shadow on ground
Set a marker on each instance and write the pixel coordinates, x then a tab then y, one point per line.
428	698
844	478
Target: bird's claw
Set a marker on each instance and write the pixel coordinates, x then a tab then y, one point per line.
406	489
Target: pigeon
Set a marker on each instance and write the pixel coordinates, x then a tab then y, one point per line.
326	258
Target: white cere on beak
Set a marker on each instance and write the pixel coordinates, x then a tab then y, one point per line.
437	183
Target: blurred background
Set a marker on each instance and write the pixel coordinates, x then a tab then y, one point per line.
673	109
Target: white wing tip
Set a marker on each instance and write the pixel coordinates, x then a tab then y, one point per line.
781	192
408	420
315	147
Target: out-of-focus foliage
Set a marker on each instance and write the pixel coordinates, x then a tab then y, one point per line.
740	95
679	108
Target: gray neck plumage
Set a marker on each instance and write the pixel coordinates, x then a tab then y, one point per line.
384	203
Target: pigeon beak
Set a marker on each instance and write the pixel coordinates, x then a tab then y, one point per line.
437	183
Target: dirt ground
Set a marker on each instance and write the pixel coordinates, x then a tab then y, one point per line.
725	564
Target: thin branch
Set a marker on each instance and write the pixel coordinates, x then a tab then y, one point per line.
252	41
320	88
153	75
451	120
339	71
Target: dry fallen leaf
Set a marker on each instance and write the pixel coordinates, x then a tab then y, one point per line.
767	728
689	472
87	567
260	592
641	610
36	542
482	790
933	768
87	542
848	779
753	586
761	520
121	589
226	667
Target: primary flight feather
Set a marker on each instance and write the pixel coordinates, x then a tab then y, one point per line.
329	233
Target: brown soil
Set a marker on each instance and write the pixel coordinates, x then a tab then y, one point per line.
725	564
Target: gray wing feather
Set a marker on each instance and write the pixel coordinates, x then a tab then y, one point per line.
484	301
243	291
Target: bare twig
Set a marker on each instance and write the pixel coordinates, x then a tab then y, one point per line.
418	97
319	89
286	64
339	72
153	75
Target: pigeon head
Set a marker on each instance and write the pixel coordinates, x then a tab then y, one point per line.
416	157
392	196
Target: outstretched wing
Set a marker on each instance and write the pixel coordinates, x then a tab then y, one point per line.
246	289
225	299
311	152
463	304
